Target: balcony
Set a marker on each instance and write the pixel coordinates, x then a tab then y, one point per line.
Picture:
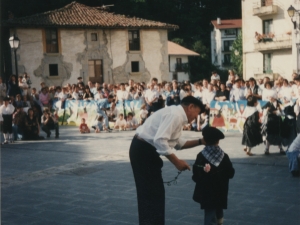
182	67
272	42
264	8
260	73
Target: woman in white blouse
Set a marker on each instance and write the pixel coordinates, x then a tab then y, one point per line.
6	111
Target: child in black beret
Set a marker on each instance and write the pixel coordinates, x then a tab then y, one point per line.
211	172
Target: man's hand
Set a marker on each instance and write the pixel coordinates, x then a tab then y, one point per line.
181	165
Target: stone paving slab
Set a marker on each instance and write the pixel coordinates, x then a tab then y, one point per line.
87	179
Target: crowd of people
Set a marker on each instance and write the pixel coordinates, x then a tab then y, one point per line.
26	110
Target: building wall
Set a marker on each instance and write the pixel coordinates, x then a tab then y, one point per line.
283	60
217	45
76	49
182	76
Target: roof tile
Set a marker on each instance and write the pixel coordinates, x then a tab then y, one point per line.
79	15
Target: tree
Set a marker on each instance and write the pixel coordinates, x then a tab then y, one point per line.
237	54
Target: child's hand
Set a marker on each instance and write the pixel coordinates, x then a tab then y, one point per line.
206	168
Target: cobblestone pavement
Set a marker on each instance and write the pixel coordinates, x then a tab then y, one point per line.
87	179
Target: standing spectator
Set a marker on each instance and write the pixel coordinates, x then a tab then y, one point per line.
44	98
253	89
285	94
13	89
122	94
6	111
222	94
208	96
151	97
3	90
88	95
237	93
211	173
99	94
214	76
23	86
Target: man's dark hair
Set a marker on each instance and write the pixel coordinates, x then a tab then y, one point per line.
154	79
130	114
251	100
110	96
192	100
237	80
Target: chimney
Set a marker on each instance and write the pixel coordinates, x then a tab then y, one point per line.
219	21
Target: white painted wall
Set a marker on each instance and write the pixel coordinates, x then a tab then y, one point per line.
72	42
181	75
30	53
283	61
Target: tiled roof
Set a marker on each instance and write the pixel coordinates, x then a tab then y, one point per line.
175	49
227	24
79	15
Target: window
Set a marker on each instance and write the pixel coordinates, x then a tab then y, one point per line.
134	40
268	63
178	64
227	59
267	26
94	36
51	41
135	67
228	46
96	71
230	32
53	69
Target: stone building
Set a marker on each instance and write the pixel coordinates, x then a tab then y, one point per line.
77	40
224	33
269	39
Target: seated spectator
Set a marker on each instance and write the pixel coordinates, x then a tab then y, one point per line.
83	128
237	93
208	95
18	123
143	114
23	86
112	113
32	127
100	126
132	122
120	122
223	94
49	124
18	101
88	95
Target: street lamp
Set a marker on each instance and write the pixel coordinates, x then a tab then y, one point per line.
291	11
14	44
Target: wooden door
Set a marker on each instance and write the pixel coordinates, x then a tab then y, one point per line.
96	70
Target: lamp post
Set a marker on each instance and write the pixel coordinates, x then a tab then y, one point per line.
14	44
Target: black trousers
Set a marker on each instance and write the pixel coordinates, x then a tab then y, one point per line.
47	128
146	166
7	123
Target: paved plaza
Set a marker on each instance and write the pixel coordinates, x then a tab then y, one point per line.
87	179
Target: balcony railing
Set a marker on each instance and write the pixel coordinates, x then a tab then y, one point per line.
260	73
182	67
226	64
265	7
266	42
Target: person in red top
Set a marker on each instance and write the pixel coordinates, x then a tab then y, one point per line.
84	127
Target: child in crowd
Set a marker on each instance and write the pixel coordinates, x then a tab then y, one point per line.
100	126
252	132
143	114
132	122
83	128
211	172
120	122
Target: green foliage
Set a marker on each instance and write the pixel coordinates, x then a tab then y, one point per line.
178	41
237	55
200	48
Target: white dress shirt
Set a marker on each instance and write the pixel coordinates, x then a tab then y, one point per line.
237	94
208	96
163	129
122	95
150	95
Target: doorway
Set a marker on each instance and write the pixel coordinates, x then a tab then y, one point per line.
96	70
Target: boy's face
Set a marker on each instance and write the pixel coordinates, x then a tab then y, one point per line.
120	117
129	118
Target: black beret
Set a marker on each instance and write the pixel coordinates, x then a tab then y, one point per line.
212	134
6	99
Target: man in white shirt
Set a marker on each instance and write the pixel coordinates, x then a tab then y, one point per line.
237	93
122	94
208	95
214	76
92	87
160	135
130	85
151	98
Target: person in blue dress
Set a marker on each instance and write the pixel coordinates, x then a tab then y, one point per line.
102	105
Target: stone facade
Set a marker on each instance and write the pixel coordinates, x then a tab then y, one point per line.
76	49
